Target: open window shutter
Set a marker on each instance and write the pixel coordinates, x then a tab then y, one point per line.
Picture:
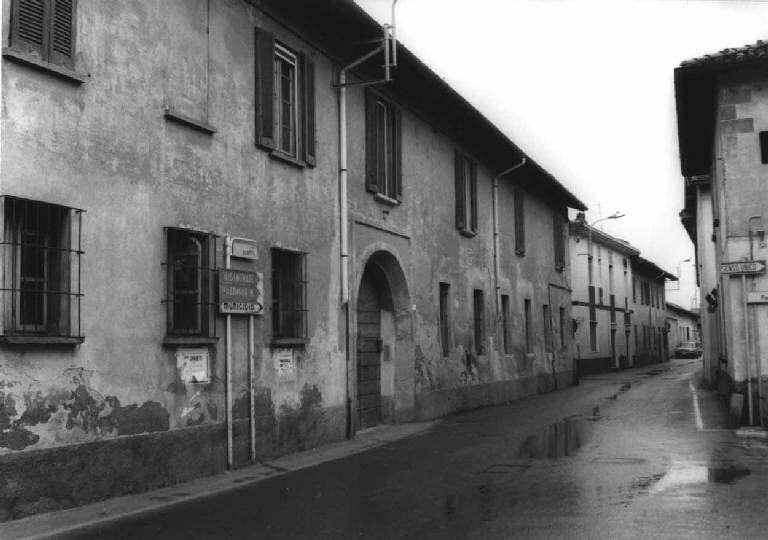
473	193
265	66
458	166
308	110
519	222
371	175
397	145
28	25
62	36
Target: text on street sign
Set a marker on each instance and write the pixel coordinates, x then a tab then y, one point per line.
742	267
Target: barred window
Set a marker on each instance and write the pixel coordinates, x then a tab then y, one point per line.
190	272
41	270
289	297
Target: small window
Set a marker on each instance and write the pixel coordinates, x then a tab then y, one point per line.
41	269
562	328
289	297
383	162
45	28
519	222
190	273
466	193
528	340
764	147
547	314
593	336
600	295
285	100
505	324
558	225
610	278
479	320
445	324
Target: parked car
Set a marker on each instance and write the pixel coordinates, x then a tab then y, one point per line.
688	349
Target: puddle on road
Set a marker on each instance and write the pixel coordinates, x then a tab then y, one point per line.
557	440
689	474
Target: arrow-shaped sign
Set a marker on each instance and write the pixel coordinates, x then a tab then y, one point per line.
742	267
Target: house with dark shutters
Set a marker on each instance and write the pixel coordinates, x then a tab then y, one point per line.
221	242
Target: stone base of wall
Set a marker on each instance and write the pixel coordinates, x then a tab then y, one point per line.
587	366
62	477
439	403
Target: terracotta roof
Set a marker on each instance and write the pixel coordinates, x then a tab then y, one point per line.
756	51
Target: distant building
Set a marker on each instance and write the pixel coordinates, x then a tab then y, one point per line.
649	317
682	324
167	163
601	273
722	118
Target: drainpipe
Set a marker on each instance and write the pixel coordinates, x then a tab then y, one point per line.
228	364
496	264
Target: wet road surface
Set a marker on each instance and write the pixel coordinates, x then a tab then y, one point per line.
645	457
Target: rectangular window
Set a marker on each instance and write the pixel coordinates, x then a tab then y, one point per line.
547	315
764	147
45	28
558	241
634	291
466	192
289	297
610	278
383	148
285	100
528	340
593	336
479	320
41	269
519	222
189	280
445	324
505	324
562	328
600	295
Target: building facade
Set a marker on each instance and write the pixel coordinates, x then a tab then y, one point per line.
649	312
722	115
188	284
601	270
682	326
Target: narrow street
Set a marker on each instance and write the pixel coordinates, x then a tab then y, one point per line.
638	454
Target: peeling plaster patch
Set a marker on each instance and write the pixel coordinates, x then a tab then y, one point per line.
302	426
7	410
18	439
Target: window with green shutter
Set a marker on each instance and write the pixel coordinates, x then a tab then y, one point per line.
45	28
383	149
466	193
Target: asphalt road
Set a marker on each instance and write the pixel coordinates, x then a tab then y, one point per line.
640	457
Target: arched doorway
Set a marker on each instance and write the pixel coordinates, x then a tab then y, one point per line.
384	346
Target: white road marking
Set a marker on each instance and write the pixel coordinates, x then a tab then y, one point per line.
696	410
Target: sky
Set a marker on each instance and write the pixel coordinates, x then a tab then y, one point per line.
585	87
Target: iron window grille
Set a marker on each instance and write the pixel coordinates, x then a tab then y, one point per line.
190	278
41	268
289	297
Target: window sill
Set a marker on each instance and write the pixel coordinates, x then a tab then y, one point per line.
287	158
42	340
184	120
467	233
280	343
189	340
34	62
383	199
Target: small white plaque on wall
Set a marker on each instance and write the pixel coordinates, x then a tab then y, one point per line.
285	363
193	365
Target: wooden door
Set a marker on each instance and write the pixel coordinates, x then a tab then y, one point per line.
368	355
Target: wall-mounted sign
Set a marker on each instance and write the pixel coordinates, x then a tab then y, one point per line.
742	267
243	248
285	363
757	297
193	365
241	292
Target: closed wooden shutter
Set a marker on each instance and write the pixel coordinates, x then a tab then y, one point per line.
308	110
371	170
558	241
473	194
28	26
458	160
397	148
62	40
265	66
519	222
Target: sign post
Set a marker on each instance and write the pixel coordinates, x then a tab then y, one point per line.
241	293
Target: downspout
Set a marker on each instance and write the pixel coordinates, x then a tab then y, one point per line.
228	362
496	263
344	237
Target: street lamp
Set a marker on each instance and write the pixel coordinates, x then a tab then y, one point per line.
615	215
679	272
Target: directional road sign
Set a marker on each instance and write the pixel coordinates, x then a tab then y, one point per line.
742	267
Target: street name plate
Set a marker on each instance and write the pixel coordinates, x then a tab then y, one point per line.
243	248
757	297
241	292
742	267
